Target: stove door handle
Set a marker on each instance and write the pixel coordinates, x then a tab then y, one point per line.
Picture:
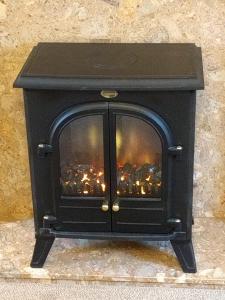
105	205
116	206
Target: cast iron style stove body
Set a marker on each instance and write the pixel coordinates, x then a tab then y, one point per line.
111	142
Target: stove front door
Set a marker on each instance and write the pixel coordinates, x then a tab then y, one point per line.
111	169
82	180
139	171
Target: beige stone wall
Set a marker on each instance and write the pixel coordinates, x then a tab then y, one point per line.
24	23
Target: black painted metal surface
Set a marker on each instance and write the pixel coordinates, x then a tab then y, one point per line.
120	66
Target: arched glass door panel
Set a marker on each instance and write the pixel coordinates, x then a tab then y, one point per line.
82	157
139	158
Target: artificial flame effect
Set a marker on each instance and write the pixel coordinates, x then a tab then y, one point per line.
138	154
132	180
86	180
139	181
130	148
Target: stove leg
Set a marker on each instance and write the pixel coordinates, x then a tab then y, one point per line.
185	255
41	249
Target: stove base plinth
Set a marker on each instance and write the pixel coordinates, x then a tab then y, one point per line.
185	255
182	248
41	249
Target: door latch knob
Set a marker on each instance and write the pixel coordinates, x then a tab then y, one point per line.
105	206
44	149
115	207
176	151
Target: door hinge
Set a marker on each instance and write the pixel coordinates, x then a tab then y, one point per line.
48	221
44	149
176	151
175	223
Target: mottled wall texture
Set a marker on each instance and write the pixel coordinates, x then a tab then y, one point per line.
26	22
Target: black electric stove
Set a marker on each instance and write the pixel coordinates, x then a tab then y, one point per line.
111	142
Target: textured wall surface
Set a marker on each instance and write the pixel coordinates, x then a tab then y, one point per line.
24	23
